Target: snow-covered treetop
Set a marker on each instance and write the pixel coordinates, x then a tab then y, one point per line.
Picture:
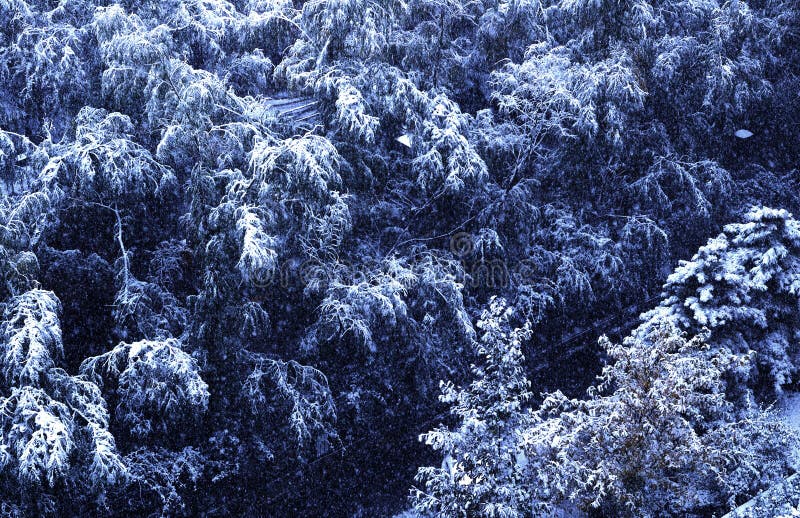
744	285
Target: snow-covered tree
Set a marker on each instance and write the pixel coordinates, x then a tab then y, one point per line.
657	436
271	227
744	286
483	466
156	385
55	427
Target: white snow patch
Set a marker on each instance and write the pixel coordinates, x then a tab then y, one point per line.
405	140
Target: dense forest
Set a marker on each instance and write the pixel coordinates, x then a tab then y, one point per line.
458	258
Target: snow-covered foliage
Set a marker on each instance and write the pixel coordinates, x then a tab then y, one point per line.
242	242
484	462
51	423
157	386
299	390
744	286
657	435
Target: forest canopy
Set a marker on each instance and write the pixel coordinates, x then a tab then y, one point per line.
370	258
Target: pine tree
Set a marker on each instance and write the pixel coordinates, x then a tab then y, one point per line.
484	465
743	286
